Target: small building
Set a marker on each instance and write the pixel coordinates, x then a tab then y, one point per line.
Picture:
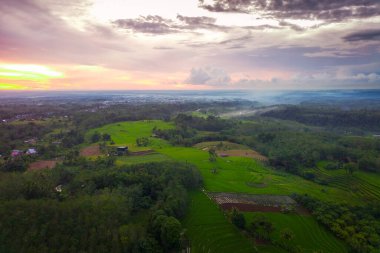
58	188
122	150
31	151
16	153
31	141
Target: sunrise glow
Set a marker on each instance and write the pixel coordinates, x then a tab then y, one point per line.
187	44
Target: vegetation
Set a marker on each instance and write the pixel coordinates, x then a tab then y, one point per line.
358	226
209	230
306	234
99	208
329	116
139	202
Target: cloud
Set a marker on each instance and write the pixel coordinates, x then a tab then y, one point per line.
363	76
149	24
331	10
163	48
31	32
363	35
208	76
197	21
320	80
159	25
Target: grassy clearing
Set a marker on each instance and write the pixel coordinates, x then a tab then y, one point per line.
209	229
309	235
126	133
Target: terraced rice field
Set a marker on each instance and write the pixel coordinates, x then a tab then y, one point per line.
359	185
209	229
241	174
316	238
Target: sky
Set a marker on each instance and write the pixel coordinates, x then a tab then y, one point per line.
189	44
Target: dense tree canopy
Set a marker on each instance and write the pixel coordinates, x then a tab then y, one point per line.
100	208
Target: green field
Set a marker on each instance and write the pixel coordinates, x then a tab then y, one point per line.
226	145
309	235
362	185
238	174
128	160
126	133
208	229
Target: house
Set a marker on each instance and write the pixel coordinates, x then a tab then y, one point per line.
31	141
31	151
58	188
122	150
16	153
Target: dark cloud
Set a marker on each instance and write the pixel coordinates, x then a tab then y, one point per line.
290	25
363	35
197	21
332	10
158	25
227	5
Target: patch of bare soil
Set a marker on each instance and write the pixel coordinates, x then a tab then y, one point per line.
90	151
302	211
44	164
260	241
257	203
141	153
256	185
242	153
244	207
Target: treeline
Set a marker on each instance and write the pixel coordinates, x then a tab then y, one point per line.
329	116
13	136
289	145
295	147
358	226
93	206
189	129
158	111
